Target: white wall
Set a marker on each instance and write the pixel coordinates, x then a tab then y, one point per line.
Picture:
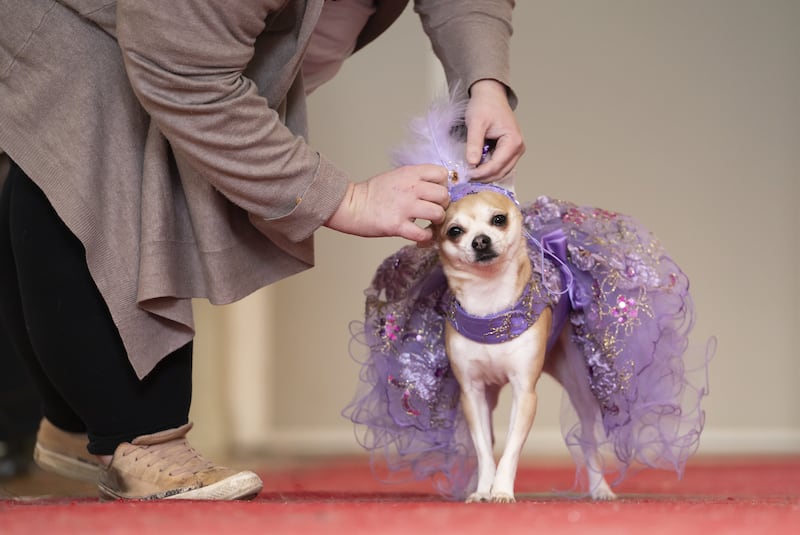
683	113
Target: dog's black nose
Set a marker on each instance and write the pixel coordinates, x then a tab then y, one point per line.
481	242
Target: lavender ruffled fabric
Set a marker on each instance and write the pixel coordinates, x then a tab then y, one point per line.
630	310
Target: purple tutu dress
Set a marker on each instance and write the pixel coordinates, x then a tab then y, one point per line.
630	310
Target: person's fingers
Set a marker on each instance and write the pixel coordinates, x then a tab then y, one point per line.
488	171
411	231
476	138
433	193
429	211
511	147
389	204
506	154
431	173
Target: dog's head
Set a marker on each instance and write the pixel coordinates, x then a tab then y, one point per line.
480	229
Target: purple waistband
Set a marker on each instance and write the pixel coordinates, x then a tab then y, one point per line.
496	328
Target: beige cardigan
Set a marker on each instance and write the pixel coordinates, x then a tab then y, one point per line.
171	139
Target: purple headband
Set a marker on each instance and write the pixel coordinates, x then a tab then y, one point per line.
459	191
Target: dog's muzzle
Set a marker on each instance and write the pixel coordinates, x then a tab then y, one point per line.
482	245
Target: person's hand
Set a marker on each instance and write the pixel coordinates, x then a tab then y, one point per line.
489	116
389	203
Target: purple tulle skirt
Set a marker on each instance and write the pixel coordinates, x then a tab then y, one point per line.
630	312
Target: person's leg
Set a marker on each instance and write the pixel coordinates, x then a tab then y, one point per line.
75	343
20	411
73	337
13	327
20	408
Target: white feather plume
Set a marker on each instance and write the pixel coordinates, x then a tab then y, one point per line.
434	139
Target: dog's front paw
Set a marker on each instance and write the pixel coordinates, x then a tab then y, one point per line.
479	497
603	492
503	497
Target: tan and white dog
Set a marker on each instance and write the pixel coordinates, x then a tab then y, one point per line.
483	252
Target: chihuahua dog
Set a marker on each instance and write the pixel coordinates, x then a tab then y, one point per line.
484	256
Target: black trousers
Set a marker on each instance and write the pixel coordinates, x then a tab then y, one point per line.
58	323
20	409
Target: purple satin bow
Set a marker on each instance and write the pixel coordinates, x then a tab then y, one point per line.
578	285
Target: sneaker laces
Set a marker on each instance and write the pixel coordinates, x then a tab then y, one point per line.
176	457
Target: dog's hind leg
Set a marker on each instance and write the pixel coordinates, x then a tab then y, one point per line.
566	364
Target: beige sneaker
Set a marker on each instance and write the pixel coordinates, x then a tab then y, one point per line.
164	466
65	453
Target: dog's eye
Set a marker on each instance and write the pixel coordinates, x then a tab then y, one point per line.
499	220
454	232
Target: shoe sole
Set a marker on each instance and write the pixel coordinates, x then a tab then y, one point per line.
244	485
63	465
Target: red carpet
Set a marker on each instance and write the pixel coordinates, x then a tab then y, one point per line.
714	497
